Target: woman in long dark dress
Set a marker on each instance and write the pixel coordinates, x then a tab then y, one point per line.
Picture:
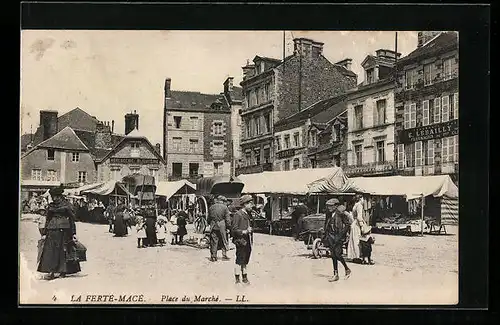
119	225
150	217
59	236
182	218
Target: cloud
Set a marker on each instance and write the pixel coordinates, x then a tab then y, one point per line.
40	46
372	40
69	44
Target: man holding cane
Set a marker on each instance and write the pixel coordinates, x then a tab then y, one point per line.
242	238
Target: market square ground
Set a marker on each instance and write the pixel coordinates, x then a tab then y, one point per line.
408	270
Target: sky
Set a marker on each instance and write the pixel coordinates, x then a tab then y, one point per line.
111	73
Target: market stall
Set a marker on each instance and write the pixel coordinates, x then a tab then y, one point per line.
175	195
313	186
410	204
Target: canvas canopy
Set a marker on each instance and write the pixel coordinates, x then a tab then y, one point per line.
296	181
335	182
168	189
108	188
409	186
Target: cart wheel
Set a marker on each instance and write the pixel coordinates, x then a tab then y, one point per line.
316	248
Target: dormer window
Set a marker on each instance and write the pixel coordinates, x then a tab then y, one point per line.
370	75
261	67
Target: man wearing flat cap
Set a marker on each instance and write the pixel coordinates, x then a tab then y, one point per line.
59	237
242	237
336	228
219	219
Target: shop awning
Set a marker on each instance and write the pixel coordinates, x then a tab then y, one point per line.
409	186
296	181
35	183
78	190
110	187
168	189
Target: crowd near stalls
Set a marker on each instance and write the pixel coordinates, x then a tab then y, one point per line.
285	190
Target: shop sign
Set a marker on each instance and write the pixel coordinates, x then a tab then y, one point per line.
433	131
134	161
369	169
285	153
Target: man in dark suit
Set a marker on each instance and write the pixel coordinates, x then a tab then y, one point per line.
242	237
336	228
219	219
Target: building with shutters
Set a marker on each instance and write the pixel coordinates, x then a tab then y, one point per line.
427	107
371	117
305	139
276	89
198	133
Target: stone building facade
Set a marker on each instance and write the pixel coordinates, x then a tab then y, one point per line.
297	138
330	148
274	90
133	155
61	159
427	107
371	118
197	134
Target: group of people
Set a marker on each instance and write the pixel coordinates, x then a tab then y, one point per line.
58	231
35	204
151	231
238	227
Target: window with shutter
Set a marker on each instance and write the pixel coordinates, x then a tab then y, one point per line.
413	115
455	106
444	150
456	149
401	155
437	110
445	109
418	153
406	116
425	112
430	152
451	149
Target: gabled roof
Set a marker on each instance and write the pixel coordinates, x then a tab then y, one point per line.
77	118
319	111
191	100
131	137
66	139
444	41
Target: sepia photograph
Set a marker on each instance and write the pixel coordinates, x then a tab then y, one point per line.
239	167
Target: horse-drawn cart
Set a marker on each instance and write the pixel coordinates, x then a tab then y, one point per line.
207	188
312	234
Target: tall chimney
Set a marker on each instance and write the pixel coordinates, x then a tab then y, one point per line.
48	123
131	122
103	135
112	126
158	148
168	93
425	36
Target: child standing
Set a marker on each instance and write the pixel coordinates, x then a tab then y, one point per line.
365	244
161	231
140	228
